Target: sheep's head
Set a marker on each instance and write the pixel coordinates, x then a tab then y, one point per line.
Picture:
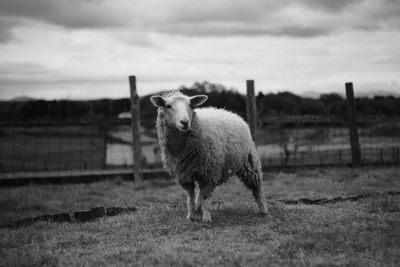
177	108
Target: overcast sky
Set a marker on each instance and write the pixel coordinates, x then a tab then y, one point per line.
83	49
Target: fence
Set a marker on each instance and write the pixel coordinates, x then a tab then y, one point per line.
303	140
66	149
36	147
328	140
69	149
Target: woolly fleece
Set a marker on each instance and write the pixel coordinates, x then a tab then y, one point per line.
218	145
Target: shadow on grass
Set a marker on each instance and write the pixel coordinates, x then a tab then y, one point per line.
232	216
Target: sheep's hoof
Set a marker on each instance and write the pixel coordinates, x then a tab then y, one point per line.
198	210
206	217
263	210
190	217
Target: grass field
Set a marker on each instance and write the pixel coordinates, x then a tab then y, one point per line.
361	233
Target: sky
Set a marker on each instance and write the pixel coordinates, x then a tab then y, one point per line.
86	49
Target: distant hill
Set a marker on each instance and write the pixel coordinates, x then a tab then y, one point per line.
22	99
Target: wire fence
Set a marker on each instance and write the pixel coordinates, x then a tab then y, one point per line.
318	140
303	140
281	141
379	139
67	148
51	147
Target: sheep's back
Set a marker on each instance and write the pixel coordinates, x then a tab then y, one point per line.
229	133
222	122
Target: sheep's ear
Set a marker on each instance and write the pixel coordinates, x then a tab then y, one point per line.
198	100
158	101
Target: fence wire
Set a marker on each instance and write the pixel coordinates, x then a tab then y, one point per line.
57	148
319	140
379	139
49	148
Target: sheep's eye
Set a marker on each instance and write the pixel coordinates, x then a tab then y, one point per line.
169	106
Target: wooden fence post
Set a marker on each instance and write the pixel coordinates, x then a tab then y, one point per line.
105	141
251	108
135	123
351	114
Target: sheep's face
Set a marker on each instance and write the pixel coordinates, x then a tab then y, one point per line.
178	109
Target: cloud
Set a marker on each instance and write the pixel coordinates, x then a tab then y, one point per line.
22	68
57	46
329	5
70	14
300	18
305	19
234	29
381	14
6	26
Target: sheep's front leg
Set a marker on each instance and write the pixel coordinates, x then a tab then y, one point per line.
205	202
190	200
198	203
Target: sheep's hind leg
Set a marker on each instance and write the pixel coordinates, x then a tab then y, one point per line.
190	200
260	199
253	182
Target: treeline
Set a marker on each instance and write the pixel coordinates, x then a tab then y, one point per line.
284	103
54	109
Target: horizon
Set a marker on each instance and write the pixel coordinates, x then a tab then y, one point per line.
306	94
87	49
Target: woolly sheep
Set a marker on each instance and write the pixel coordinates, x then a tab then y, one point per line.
205	146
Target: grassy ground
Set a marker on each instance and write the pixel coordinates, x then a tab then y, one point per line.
362	233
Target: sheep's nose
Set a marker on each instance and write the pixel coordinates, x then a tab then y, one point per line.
185	122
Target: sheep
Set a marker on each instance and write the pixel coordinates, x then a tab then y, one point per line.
205	146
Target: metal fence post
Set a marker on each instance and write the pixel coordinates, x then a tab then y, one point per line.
135	123
251	108
351	113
